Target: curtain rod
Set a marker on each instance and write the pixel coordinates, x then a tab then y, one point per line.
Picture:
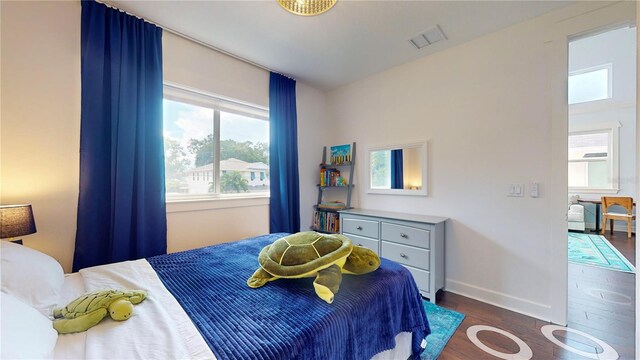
196	41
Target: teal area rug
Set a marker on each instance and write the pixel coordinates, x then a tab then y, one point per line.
597	251
443	323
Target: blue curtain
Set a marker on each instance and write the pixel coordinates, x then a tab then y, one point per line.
284	205
397	181
121	207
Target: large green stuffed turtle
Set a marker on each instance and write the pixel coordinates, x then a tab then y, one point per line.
311	254
89	309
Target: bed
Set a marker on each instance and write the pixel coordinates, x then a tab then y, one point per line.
199	307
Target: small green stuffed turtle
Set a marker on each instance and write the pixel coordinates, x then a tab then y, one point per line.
89	309
311	254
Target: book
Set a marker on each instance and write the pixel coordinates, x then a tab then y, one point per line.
323	221
331	177
332	205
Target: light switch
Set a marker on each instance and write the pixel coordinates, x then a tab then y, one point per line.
535	190
516	190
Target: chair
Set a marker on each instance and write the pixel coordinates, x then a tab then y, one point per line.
626	203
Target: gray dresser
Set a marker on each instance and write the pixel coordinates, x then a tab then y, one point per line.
415	241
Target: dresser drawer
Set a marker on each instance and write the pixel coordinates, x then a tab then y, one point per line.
407	255
366	242
405	235
421	277
360	227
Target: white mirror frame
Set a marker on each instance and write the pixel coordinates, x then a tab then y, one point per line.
423	151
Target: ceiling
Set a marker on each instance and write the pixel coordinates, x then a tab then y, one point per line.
349	42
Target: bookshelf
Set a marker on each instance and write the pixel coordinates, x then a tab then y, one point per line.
333	183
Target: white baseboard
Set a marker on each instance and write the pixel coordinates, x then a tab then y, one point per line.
519	305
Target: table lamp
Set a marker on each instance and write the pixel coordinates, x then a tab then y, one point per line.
16	220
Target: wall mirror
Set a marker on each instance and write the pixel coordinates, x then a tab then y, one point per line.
398	169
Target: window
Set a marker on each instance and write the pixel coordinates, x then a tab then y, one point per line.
213	146
593	159
380	165
261	175
590	84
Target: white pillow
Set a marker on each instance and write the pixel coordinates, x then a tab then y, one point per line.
26	333
573	199
31	276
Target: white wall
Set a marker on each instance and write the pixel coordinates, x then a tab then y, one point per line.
313	130
486	120
189	64
485	108
40	118
40	130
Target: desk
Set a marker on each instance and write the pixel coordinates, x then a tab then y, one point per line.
598	204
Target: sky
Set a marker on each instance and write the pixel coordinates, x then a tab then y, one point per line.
242	128
185	121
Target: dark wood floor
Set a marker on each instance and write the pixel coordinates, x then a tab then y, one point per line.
626	246
597	306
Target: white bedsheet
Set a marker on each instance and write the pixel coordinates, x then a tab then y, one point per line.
400	352
70	346
159	329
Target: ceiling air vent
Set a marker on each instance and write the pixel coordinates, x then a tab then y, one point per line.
428	37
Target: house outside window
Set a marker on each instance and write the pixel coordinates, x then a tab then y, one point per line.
594	158
226	141
261	175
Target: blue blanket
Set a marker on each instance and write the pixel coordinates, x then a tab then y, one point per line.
285	319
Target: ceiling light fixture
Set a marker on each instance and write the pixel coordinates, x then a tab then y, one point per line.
307	7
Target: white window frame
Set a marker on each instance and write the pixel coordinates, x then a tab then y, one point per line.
216	103
609	68
613	156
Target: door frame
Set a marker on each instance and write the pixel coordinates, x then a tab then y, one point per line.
637	177
591	18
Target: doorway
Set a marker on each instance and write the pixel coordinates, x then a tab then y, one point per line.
602	151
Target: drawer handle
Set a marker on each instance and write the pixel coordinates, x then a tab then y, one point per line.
403	235
404	256
359	228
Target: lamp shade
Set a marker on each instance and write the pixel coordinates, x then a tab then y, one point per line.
307	7
16	220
